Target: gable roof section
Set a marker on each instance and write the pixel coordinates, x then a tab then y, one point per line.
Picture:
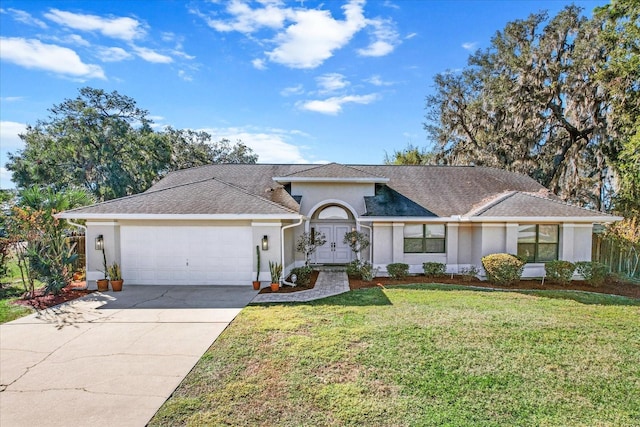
248	190
331	172
520	204
209	197
451	190
388	202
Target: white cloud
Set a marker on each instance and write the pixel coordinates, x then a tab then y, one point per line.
150	55
410	36
76	40
246	20
259	64
315	35
385	38
31	53
469	45
25	18
11	98
271	145
123	28
5	179
113	54
376	80
304	37
9	142
185	76
331	82
9	139
292	90
333	105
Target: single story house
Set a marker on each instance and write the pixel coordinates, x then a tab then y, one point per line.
202	225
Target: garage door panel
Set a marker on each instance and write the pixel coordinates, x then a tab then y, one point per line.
187	255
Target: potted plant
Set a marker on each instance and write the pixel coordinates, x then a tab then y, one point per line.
256	283
115	274
276	270
103	284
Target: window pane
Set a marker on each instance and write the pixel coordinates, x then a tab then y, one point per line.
548	233
413	230
527	234
527	251
434	230
547	252
434	246
413	245
333	212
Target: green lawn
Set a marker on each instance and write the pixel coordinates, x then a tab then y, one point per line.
421	355
11	290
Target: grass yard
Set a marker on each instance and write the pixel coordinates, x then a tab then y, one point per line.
11	290
421	355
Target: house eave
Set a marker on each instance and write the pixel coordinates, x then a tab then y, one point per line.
182	217
494	219
371	180
545	219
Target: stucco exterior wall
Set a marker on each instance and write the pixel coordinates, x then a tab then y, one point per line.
350	193
259	229
110	231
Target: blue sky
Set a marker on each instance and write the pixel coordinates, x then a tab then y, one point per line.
299	82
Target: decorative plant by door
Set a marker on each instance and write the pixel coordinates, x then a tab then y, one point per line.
308	243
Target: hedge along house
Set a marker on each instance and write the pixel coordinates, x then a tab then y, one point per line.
201	226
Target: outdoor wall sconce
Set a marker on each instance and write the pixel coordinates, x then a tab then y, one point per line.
265	243
99	243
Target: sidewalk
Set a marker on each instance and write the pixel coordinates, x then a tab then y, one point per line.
329	283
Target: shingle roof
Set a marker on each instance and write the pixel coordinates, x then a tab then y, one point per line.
439	191
333	171
532	205
205	197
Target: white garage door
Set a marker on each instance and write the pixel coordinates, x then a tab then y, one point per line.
180	255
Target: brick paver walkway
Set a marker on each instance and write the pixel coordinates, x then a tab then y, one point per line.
329	283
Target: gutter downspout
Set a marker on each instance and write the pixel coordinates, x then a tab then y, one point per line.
359	221
84	227
284	282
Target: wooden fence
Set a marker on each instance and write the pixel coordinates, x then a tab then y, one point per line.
79	250
621	259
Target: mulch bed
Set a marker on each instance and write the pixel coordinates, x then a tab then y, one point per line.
41	301
609	287
288	289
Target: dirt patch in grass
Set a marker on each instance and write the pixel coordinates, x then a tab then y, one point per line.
289	289
613	287
40	301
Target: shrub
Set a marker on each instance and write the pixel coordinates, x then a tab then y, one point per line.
469	273
434	269
594	273
398	270
354	269
503	269
368	272
559	271
361	270
304	275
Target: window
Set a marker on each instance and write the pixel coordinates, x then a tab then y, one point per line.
333	212
538	242
424	238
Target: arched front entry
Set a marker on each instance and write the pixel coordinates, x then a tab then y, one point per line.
334	221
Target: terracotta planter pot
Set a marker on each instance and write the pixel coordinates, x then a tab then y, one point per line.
275	287
116	285
256	285
103	285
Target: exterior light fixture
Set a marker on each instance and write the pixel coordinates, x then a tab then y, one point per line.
265	243
294	279
99	243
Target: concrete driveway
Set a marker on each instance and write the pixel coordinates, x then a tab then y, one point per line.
109	359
